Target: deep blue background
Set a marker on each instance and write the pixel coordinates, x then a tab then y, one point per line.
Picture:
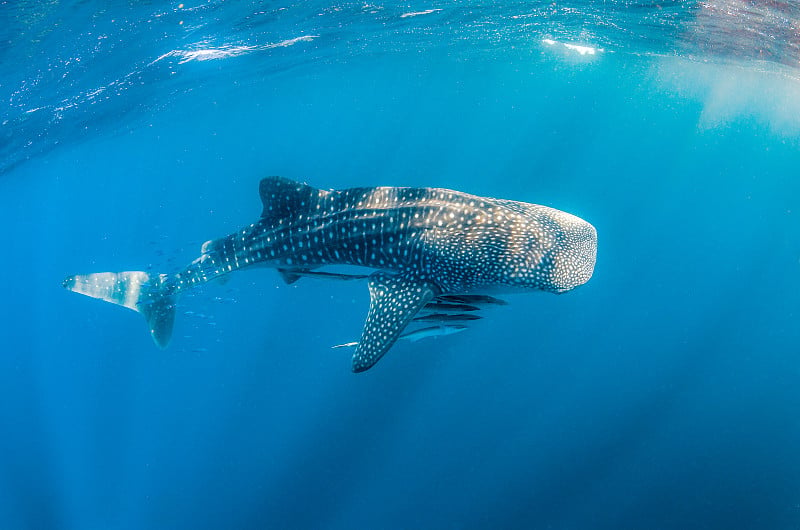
663	394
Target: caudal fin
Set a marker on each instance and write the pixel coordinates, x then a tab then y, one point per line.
145	294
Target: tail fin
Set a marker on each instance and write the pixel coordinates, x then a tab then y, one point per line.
135	290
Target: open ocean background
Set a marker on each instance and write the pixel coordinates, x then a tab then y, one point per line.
664	394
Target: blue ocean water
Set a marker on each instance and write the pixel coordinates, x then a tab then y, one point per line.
662	394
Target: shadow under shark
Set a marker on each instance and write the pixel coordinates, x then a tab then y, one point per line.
429	246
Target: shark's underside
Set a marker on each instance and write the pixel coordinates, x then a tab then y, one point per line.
430	247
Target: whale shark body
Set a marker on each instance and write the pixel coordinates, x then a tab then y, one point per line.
430	247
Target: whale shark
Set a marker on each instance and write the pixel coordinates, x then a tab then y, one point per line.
428	247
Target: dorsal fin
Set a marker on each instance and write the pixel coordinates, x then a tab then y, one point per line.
283	198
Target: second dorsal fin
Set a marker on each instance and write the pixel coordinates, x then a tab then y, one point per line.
283	198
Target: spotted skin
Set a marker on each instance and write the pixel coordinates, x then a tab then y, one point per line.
394	300
424	243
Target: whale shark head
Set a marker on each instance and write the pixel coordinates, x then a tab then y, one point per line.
572	260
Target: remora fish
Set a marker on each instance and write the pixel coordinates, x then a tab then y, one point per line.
418	334
471	299
436	305
425	242
446	317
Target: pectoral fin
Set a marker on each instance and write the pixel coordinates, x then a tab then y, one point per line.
394	300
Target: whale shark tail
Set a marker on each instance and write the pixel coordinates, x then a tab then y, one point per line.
146	294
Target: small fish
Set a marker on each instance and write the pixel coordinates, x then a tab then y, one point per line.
433	331
460	308
446	317
292	275
473	299
419	334
223	300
